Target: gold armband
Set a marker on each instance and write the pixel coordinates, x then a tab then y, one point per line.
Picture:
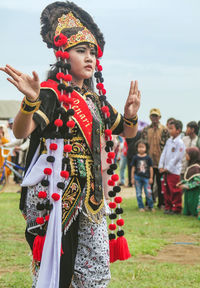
131	122
28	107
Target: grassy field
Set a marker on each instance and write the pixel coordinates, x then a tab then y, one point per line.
147	233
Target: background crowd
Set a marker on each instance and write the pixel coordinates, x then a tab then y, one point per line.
174	157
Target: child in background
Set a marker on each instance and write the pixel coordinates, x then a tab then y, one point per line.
170	166
142	175
191	182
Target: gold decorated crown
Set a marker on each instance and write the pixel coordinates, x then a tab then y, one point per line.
70	21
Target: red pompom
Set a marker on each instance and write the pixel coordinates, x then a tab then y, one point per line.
108	138
111	155
97	62
105	109
120	222
109	161
59	53
108	114
67	148
122	248
112	249
60	75
53	146
112	205
99	68
108	132
55	196
47	217
64	174
68	78
100	86
42	194
38	245
118	199
115	177
47	171
65	55
112	226
68	100
103	91
58	122
111	182
99	52
70	124
40	220
60	40
61	98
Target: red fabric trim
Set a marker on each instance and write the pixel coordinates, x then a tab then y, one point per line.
82	114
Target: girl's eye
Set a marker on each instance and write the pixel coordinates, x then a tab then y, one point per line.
80	50
93	52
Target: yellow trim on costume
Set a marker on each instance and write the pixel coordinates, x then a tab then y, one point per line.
45	118
131	122
116	122
27	104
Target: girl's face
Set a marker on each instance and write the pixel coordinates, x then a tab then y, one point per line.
83	62
141	148
187	156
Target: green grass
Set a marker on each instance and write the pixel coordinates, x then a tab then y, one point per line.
147	233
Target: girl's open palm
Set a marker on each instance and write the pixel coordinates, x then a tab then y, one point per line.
133	101
29	86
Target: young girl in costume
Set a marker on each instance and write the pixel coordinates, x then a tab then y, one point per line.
62	196
191	182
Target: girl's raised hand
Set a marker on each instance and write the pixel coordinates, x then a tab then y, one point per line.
29	86
133	101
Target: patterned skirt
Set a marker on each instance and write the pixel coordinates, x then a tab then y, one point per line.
92	259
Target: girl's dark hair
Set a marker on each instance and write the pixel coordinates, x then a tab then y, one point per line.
194	154
49	22
141	141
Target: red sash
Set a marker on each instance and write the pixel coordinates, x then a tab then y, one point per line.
82	116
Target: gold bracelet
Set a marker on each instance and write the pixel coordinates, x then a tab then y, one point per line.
131	122
28	107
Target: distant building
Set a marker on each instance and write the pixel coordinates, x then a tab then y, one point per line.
8	109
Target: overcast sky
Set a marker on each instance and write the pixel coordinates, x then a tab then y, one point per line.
156	42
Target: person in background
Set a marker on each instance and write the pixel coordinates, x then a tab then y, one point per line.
169	120
11	135
191	182
20	147
3	141
190	140
156	136
198	140
131	151
12	140
142	175
170	166
123	160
